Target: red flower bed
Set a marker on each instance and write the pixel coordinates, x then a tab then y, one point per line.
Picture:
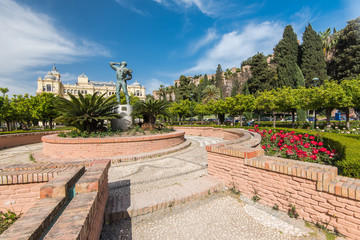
303	147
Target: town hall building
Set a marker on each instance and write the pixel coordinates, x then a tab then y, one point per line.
51	83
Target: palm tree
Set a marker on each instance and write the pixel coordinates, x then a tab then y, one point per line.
211	92
86	113
150	109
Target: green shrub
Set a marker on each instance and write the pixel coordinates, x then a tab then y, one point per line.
7	219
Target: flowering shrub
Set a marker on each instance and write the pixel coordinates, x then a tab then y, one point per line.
303	147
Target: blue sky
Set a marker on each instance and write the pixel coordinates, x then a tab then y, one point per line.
160	39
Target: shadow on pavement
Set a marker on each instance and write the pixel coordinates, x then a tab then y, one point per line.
120	225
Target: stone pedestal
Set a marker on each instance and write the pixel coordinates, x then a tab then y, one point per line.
125	122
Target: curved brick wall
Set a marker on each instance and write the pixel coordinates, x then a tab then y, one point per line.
14	140
80	148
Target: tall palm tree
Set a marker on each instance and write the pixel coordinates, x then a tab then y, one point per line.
86	113
211	92
150	109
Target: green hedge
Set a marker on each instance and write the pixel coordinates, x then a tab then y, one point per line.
304	125
30	131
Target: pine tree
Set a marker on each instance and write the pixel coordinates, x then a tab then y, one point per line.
219	81
261	77
313	63
184	89
346	61
286	56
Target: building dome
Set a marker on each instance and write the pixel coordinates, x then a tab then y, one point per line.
50	76
82	75
136	84
54	70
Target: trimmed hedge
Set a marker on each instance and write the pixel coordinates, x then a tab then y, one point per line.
30	131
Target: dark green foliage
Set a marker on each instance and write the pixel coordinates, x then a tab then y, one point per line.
292	211
184	90
219	81
346	62
246	62
150	109
86	113
7	219
286	56
313	63
262	76
219	76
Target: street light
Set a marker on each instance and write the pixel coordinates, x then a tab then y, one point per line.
315	81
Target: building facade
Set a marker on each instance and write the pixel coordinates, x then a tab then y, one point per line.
52	83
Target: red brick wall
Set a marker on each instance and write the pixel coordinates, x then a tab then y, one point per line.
210	132
14	140
341	208
19	197
66	148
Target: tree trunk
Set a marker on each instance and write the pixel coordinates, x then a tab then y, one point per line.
274	120
8	126
50	123
347	118
328	115
293	118
259	119
241	123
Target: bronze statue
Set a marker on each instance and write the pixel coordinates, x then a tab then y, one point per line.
123	74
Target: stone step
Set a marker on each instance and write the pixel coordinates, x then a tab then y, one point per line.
128	206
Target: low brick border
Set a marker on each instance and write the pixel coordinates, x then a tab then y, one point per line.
55	147
18	139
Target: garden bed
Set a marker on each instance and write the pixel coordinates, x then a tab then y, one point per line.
347	147
56	147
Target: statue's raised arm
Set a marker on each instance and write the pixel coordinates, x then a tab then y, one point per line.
122	75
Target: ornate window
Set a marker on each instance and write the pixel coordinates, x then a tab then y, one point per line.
48	87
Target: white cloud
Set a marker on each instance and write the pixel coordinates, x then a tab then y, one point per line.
212	8
205	40
129	5
154	84
68	78
234	47
29	39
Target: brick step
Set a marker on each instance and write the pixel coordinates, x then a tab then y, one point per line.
127	206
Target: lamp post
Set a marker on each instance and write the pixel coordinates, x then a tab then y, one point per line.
315	81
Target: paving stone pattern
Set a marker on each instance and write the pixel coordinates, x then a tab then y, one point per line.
215	216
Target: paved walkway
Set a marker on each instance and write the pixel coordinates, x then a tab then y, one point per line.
220	215
18	155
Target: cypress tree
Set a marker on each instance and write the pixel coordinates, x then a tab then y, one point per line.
313	63
346	61
219	80
260	74
184	89
286	56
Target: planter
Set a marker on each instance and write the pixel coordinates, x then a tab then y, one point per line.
90	148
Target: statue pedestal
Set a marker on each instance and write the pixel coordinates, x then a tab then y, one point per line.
125	122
